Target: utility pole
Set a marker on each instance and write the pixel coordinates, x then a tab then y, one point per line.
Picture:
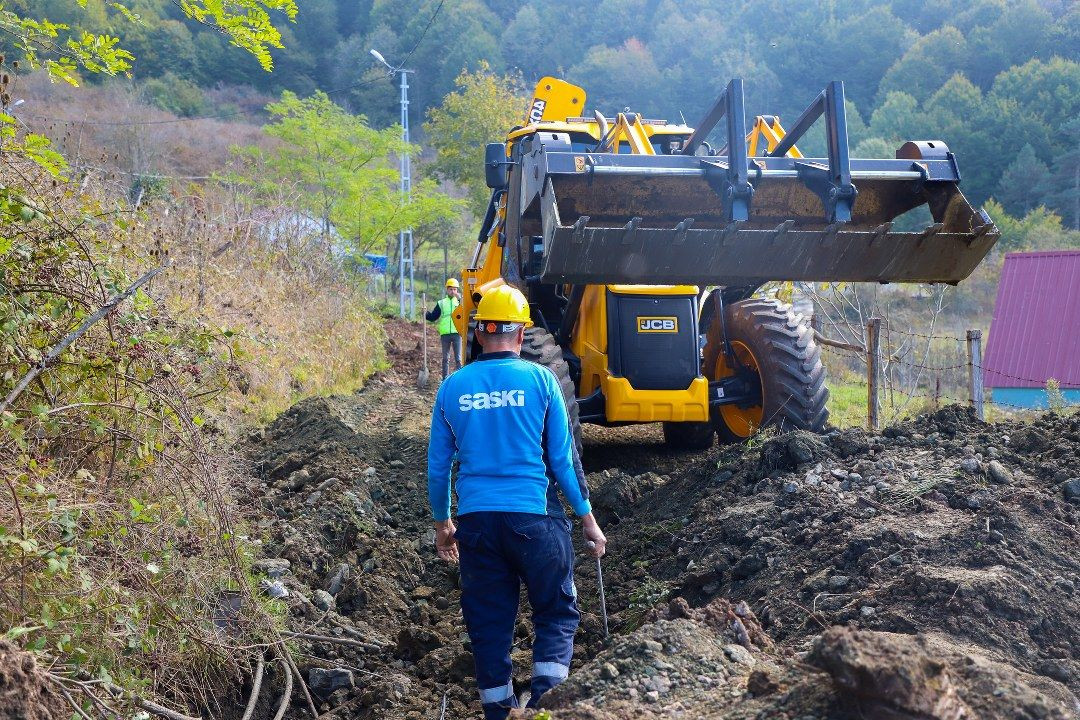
405	237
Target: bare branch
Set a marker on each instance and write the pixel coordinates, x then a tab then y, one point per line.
822	340
287	696
161	710
256	686
71	337
284	653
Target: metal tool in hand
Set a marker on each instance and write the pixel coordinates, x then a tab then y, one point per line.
422	377
600	581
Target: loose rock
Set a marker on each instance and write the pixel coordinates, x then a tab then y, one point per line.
999	473
322	600
324	682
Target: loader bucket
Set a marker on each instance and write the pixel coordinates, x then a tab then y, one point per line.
693	219
625	228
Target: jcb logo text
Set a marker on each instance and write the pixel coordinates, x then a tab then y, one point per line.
657	325
536	112
490	400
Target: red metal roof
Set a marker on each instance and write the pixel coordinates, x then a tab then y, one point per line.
1035	333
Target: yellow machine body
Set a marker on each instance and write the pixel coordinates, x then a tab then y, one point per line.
623	402
556	107
596	217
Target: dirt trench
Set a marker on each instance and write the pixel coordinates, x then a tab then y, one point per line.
927	572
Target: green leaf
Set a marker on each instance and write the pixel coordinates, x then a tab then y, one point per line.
17	632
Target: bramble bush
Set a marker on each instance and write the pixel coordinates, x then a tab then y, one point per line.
120	538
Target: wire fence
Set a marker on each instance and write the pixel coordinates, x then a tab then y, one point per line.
905	372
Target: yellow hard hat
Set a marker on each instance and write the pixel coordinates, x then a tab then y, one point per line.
452	282
503	304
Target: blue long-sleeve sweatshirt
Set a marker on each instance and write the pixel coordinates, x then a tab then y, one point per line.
505	420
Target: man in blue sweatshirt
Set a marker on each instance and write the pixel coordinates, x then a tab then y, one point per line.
505	422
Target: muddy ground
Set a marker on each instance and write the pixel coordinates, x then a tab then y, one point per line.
929	571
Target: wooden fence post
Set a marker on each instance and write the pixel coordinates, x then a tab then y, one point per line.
975	374
873	373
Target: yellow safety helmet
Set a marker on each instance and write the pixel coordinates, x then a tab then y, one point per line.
500	306
452	282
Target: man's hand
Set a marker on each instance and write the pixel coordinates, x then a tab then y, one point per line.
445	544
594	535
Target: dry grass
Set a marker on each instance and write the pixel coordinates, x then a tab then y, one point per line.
83	123
122	539
301	325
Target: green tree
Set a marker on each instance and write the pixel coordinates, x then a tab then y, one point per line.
897	119
482	109
857	47
176	94
521	50
875	147
1022	30
983	130
1063	185
461	39
857	130
958	101
162	48
1018	189
65	51
1039	229
927	64
445	243
368	87
1049	89
343	172
618	77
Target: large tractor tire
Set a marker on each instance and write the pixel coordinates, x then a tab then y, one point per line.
767	337
540	347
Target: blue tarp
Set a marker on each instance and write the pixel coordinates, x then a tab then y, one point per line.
378	263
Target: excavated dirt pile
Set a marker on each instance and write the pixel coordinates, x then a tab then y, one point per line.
927	572
25	692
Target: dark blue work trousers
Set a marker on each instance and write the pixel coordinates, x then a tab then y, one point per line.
499	551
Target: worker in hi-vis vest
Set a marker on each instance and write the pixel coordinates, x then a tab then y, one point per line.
443	315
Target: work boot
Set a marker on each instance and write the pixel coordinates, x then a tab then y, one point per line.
499	711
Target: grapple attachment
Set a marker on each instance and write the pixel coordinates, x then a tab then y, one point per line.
730	219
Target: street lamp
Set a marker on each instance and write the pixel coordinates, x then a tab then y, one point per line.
405	237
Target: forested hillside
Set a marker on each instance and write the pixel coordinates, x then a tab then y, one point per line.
997	79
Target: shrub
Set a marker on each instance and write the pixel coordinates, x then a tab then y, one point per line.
1055	399
175	94
120	540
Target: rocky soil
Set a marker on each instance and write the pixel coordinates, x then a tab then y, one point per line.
929	571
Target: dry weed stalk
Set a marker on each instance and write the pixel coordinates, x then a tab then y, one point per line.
123	554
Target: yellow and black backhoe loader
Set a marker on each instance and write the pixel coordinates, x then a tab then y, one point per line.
641	248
